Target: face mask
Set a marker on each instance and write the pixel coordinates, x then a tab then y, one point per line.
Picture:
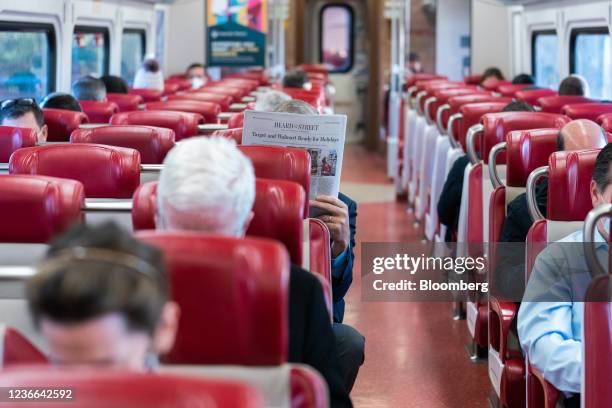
197	82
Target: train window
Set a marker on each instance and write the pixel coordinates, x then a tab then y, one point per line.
90	52
28	60
590	57
336	47
133	45
544	59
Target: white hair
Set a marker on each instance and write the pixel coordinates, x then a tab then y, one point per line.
270	101
206	185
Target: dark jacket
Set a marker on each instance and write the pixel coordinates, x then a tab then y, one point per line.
342	276
311	339
450	198
518	220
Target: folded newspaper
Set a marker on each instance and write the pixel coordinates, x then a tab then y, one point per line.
322	135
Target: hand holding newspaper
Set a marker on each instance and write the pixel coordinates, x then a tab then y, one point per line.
322	135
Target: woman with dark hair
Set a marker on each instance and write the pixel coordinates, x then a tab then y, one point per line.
491	75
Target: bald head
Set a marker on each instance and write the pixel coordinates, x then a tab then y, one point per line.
581	134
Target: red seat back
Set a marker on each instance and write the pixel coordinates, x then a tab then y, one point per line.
184	124
33	209
471	115
209	110
605	121
589	111
526	151
235	134
153	143
13	138
223	100
531	96
472	79
16	349
511	89
99	112
125	102
554	104
182	84
235	93
170	88
236	120
147	95
105	171
61	123
233	295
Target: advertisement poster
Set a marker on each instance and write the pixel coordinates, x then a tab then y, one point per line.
236	32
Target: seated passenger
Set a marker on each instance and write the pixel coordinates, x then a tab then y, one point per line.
490	76
525	79
101	298
414	63
574	85
88	88
208	185
149	76
115	84
450	197
550	317
577	135
24	113
270	101
196	73
60	100
296	78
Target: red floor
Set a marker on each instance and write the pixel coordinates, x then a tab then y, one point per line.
415	354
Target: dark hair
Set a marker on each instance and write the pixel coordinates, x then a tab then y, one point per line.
560	142
601	171
21	107
150	65
492	72
571	86
88	88
413	57
115	84
518	106
523	79
295	78
76	283
195	65
60	100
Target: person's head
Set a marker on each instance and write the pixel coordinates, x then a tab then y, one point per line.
150	65
206	185
60	100
100	297
149	76
581	134
88	88
492	74
414	62
574	85
196	73
296	106
25	113
296	78
601	183
115	84
523	79
270	101
518	106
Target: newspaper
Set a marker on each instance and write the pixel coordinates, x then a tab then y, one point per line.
322	135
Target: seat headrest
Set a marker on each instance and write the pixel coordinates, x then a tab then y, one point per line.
153	143
422	84
587	110
148	95
105	171
554	104
456	102
182	82
281	163
184	124
125	102
311	98
209	110
526	151
413	79
531	96
511	89
473	112
236	120
33	209
569	181
235	134
125	388
13	138
61	123
472	79
494	85
99	112
245	278
16	349
497	125
236	93
605	121
446	93
223	100
170	88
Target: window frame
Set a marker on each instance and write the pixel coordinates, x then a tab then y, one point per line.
87	29
351	50
574	33
49	31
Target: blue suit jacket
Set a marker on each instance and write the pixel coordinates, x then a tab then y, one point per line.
342	267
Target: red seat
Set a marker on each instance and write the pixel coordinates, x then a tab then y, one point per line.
223	100
184	124
33	209
209	110
281	163
125	102
314	99
589	111
605	121
456	102
531	96
554	104
147	95
235	134
494	85
170	88
440	102
236	120
153	143
16	349
99	112
96	387
472	79
61	123
182	84
511	89
105	171
13	138
470	115
236	93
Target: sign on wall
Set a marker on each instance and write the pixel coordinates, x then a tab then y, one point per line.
236	32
